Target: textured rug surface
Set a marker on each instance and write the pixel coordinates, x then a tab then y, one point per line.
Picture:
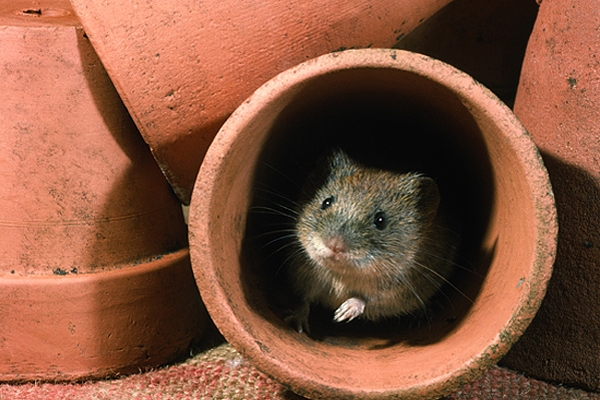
221	373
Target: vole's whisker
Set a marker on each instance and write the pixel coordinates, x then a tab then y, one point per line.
444	279
280	249
277	194
280	238
273	211
280	173
419	299
453	263
435	282
448	260
297	253
289	232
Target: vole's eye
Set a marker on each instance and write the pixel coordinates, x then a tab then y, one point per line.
380	220
327	203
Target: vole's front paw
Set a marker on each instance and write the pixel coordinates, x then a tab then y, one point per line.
350	309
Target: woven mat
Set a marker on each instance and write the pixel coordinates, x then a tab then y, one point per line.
221	373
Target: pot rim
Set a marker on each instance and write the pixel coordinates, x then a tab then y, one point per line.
83	326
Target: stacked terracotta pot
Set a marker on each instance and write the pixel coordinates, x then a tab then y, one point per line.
95	276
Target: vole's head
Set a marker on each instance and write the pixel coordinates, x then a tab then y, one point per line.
360	218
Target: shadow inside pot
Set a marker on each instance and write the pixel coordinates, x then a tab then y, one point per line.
388	129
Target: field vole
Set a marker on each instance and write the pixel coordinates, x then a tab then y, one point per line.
368	243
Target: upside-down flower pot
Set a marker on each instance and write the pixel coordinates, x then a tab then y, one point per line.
558	101
390	104
181	67
95	276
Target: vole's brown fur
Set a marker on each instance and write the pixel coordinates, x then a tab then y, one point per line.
371	243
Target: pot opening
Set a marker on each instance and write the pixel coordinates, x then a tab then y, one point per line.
389	120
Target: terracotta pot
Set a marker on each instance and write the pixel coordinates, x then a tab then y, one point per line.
390	104
91	234
182	67
559	101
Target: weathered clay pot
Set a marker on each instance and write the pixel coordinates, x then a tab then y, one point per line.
95	277
390	104
182	67
559	102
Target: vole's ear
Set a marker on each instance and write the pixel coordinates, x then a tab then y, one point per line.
429	197
340	164
328	168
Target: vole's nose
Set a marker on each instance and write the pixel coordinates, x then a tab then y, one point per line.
336	244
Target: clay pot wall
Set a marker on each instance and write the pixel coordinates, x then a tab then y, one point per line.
95	277
558	101
181	67
441	120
